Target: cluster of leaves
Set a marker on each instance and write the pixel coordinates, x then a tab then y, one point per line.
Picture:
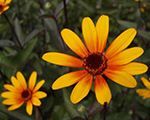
37	25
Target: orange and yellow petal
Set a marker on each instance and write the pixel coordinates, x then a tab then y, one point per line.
11	88
74	42
134	68
102	91
62	59
146	82
36	101
126	56
81	89
32	80
38	86
102	27
10	95
16	83
90	34
120	43
10	101
69	79
15	106
29	107
121	77
144	93
7	1
39	94
21	80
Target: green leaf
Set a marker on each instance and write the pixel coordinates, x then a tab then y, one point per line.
95	108
19	32
71	109
127	24
144	34
60	7
77	118
86	6
33	34
6	43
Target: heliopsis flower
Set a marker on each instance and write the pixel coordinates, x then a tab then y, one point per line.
4	5
18	92
115	63
144	92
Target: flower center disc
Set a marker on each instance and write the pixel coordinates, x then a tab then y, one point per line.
95	63
1	8
26	94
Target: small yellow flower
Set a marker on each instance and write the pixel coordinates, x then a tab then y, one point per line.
116	63
4	5
138	0
142	9
18	92
144	92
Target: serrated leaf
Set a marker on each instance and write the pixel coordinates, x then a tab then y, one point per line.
6	43
72	111
95	108
144	34
127	24
60	7
19	32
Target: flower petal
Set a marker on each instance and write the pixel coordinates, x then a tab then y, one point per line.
81	89
134	68
32	80
16	83
15	106
74	42
121	42
69	79
102	91
21	80
121	77
38	86
102	27
7	1
126	56
10	95
11	88
9	101
62	59
39	94
36	101
29	107
90	34
143	92
146	82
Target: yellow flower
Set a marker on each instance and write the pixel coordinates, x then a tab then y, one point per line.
18	92
115	63
144	92
4	5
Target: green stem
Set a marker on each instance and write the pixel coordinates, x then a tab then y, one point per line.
65	10
105	110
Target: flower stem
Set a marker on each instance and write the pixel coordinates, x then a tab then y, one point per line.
41	113
13	31
65	10
105	110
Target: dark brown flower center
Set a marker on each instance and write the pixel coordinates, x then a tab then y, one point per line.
26	94
1	8
95	63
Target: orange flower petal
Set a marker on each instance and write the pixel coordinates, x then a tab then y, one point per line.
36	101
126	56
10	95
9	101
102	91
16	83
74	42
134	68
81	89
39	94
146	82
121	77
29	107
62	59
90	34
38	86
32	80
120	43
7	1
5	8
15	106
21	80
102	27
69	79
11	88
143	92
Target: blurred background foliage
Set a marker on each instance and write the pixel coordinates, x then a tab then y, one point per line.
38	23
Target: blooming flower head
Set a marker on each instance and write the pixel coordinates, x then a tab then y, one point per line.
144	92
115	63
4	5
18	92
